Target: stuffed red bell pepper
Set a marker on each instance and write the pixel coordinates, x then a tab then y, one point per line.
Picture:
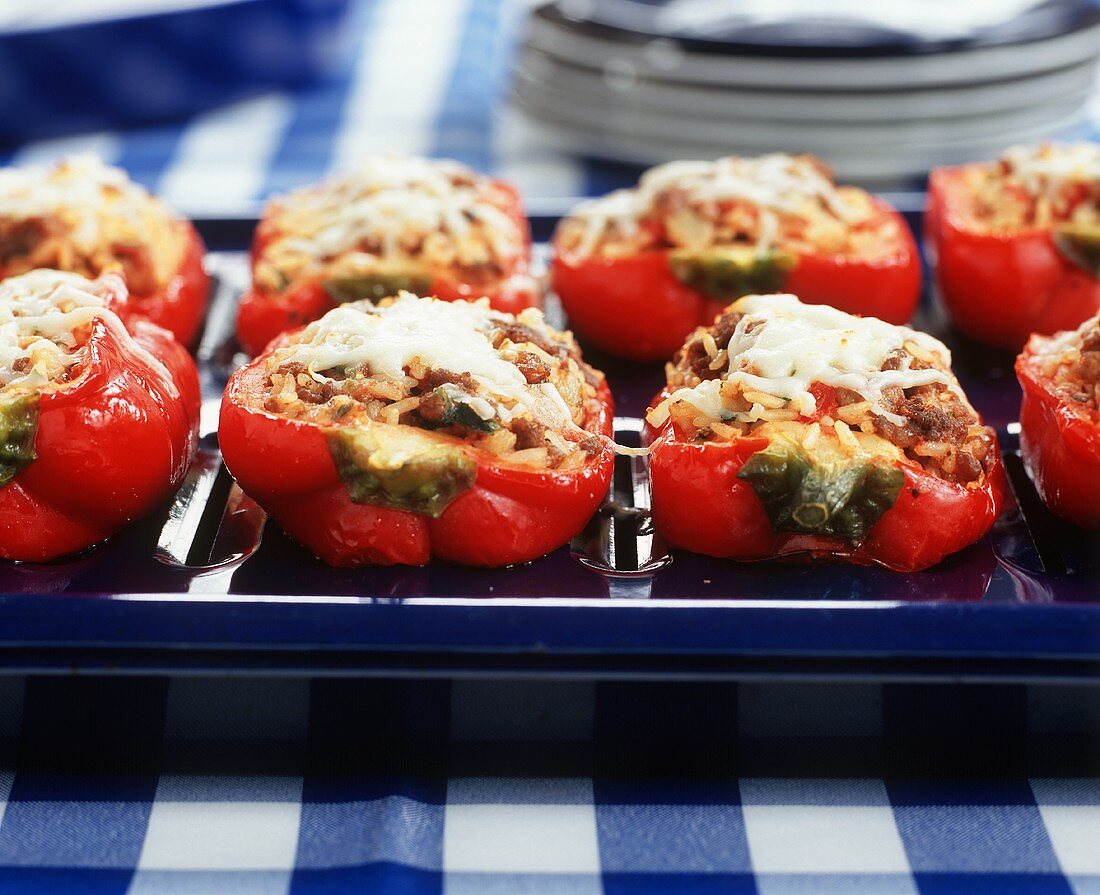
97	424
1016	242
87	218
639	269
1060	420
413	429
797	429
431	226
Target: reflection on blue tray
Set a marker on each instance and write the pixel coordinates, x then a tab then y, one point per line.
161	65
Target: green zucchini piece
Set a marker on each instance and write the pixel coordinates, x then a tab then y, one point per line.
1079	244
400	469
841	500
730	272
18	427
459	413
376	286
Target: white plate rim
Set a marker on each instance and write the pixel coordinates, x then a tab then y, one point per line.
660	59
657	94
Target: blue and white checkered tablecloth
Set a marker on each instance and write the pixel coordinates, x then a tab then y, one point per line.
200	785
404	87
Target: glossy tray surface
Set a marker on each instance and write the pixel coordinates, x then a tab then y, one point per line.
190	587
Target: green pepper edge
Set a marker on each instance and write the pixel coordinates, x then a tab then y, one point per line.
374	287
748	271
462	414
17	436
368	486
1072	243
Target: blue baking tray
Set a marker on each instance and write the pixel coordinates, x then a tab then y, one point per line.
196	588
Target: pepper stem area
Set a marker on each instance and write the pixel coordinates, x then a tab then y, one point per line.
841	499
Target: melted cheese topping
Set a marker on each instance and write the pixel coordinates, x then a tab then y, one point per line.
42	314
452	336
1042	169
773	183
407	206
781	347
1064	344
96	207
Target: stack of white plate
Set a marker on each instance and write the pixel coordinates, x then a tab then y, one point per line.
882	89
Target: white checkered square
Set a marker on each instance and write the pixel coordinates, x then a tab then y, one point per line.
187	832
1072	820
6	780
501	834
823	839
522	884
1074	832
206	882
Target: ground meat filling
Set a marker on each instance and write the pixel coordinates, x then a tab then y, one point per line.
939	431
518	334
19	241
457	403
1088	369
534	370
1071	360
699	355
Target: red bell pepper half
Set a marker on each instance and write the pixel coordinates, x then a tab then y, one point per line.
264	314
477	511
641	307
1060	444
1000	286
81	460
704	500
178	307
